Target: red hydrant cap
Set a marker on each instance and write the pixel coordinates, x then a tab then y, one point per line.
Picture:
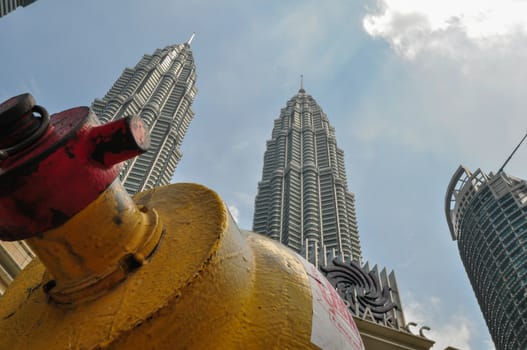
53	177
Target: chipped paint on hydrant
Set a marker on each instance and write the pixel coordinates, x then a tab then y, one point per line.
168	269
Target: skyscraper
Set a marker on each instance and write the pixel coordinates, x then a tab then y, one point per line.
160	88
303	199
487	216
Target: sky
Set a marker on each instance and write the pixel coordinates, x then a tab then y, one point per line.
414	88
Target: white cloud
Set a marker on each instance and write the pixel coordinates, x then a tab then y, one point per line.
456	330
413	26
460	90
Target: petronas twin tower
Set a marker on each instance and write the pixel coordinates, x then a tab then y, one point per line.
303	199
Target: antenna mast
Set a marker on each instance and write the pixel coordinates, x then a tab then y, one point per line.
191	38
504	164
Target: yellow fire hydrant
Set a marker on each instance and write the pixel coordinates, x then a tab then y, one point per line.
168	269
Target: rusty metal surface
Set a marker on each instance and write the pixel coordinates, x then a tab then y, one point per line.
99	248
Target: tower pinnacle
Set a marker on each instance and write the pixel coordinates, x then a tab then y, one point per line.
301	83
189	41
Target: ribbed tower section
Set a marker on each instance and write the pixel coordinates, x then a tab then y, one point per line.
160	88
303	199
487	215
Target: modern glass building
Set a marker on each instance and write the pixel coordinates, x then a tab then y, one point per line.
487	215
303	199
161	89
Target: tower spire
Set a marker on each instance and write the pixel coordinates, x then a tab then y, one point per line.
301	83
189	41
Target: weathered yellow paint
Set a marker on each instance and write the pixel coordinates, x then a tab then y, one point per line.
207	285
93	252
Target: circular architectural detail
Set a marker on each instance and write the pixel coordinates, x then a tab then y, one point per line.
360	289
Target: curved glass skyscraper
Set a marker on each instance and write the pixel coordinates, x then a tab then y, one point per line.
487	215
303	199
